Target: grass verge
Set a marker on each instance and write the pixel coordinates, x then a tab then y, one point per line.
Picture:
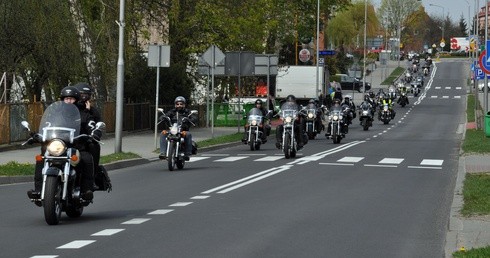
220	140
470	108
476	142
476	194
393	76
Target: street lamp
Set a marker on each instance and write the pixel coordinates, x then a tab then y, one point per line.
443	13
365	29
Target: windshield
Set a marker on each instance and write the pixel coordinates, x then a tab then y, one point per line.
289	106
255	112
60	120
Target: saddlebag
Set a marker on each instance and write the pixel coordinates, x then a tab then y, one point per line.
102	179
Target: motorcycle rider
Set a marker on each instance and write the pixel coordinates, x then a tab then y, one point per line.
387	101
266	129
347	102
314	104
299	125
181	111
88	109
403	90
345	129
71	95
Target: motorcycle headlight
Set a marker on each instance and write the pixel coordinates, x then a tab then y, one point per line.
56	148
254	122
335	118
385	108
288	119
310	115
364	112
174	129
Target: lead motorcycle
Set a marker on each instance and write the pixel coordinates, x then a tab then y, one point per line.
337	126
255	129
175	140
289	114
59	134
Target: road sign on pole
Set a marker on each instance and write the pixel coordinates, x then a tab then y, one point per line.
482	60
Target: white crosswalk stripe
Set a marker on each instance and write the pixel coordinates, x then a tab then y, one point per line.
230	159
394	161
431	162
350	159
270	158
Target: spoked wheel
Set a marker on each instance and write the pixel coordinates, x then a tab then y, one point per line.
287	145
171	157
52	201
252	142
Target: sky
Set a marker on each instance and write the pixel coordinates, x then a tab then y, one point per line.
453	8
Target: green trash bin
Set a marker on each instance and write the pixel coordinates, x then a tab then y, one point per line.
487	124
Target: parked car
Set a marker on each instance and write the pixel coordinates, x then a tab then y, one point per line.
352	83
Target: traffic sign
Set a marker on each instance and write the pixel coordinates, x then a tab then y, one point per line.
479	74
304	55
327	52
483	61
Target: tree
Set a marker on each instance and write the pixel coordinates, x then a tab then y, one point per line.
394	13
463	26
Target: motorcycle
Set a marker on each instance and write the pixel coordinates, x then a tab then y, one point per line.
426	71
416	86
408	77
365	116
336	125
255	129
403	99
175	140
312	129
288	115
59	134
385	114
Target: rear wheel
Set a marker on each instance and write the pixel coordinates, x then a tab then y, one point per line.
52	200
171	156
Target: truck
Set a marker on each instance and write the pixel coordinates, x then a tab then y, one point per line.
300	81
348	82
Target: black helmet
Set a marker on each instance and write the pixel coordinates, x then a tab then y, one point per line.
85	90
179	99
70	91
291	98
258	101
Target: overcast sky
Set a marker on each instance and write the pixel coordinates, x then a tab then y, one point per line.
453	8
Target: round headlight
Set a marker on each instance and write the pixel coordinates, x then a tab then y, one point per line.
56	147
310	115
288	119
254	122
335	117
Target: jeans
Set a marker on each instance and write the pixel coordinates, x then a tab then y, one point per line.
187	143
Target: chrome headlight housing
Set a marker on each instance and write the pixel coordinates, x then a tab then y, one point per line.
288	119
254	122
335	117
311	115
56	147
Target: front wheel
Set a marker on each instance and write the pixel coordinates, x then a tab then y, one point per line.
335	134
365	124
287	145
52	200
252	142
171	156
74	212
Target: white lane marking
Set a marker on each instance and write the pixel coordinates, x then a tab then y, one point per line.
339	148
437	88
457	97
44	256
251	154
336	164
160	212
433	97
424	167
390	161
230	159
445	97
76	244
238	181
180	204
350	159
108	232
194	159
135	221
270	158
448	88
305	160
200	197
458	88
279	170
382	166
431	162
216	155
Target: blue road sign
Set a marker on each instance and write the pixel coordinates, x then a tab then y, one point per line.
327	52
479	74
486	59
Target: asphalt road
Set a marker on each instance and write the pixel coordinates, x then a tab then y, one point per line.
385	192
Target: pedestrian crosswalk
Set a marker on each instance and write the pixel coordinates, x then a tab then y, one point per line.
346	160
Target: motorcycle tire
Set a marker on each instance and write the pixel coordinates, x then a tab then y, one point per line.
287	145
252	142
180	163
336	135
365	124
171	156
52	201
